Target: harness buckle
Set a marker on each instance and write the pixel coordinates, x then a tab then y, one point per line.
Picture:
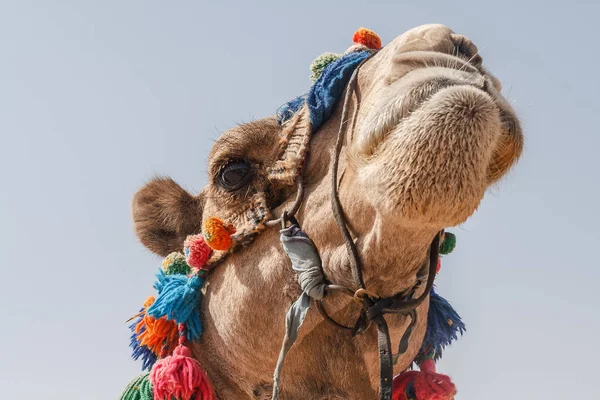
361	294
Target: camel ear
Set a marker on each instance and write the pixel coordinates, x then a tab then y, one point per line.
164	214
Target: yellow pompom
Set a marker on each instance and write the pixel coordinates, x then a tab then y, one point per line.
217	234
368	38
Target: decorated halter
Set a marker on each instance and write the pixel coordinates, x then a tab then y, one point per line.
167	322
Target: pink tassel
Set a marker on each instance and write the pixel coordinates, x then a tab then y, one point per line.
181	377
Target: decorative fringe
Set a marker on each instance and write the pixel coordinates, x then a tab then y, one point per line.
151	337
158	335
138	389
179	300
444	325
139	350
217	233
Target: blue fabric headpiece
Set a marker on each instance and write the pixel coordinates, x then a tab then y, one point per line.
326	91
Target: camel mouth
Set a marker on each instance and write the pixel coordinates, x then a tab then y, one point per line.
406	95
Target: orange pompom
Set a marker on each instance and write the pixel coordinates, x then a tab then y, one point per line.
368	38
158	335
217	233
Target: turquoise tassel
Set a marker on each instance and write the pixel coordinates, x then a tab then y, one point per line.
179	300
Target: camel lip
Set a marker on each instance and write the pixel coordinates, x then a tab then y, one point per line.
398	108
417	96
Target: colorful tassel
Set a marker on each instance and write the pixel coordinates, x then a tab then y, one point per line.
175	264
217	233
138	349
151	337
367	38
180	376
138	389
444	325
179	300
158	335
448	243
141	352
319	64
197	251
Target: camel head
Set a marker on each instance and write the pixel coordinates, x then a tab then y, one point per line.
427	133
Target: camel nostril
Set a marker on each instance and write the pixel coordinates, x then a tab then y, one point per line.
485	86
466	48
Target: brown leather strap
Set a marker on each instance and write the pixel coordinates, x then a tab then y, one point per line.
383	306
336	205
374	309
386	363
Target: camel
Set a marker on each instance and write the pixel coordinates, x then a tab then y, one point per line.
427	133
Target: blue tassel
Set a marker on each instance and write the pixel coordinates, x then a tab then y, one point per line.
139	351
179	300
326	91
444	325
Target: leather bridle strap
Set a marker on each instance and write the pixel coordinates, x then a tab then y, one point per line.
338	212
375	311
374	308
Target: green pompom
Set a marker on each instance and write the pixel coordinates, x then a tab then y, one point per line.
175	263
138	389
448	244
319	64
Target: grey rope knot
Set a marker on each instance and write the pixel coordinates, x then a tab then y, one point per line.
306	262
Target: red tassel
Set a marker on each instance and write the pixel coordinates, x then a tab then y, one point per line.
180	376
427	384
400	385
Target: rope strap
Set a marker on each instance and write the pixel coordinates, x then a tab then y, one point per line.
307	263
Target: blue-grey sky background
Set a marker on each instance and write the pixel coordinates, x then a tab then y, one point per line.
97	96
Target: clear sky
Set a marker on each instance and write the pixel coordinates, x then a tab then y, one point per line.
97	96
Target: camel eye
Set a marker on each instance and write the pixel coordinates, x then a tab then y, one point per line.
235	175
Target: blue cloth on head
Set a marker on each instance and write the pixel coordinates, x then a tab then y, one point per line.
326	91
290	108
